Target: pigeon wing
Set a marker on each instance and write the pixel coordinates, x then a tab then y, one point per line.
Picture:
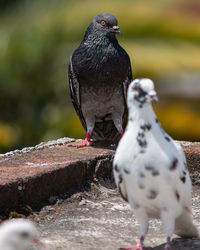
180	151
184	226
125	88
119	180
75	93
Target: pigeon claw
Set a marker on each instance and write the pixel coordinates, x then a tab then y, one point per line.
140	246
85	143
168	245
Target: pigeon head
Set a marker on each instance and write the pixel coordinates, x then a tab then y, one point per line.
18	234
104	24
141	92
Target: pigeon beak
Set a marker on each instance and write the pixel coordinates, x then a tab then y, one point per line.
153	96
117	30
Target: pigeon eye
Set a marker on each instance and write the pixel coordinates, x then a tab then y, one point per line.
103	23
24	235
139	89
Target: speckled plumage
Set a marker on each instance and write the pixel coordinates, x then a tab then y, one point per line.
157	179
99	74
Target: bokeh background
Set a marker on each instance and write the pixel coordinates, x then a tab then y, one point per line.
37	37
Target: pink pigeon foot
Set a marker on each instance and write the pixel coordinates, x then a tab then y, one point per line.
168	244
85	143
140	246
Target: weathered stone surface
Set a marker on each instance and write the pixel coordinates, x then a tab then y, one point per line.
101	219
90	214
192	152
32	175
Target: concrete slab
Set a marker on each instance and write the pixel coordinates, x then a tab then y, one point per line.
100	219
32	175
88	212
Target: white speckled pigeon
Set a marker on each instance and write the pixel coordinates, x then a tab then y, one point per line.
99	74
18	234
150	169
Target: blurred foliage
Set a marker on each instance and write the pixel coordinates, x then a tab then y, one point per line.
180	119
37	38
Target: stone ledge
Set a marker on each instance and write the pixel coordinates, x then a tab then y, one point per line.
32	175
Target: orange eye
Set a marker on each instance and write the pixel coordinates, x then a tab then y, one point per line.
138	89
103	23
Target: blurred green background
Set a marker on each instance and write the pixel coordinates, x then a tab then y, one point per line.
37	37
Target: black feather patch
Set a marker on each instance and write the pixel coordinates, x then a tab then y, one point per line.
142	142
116	168
142	127
183	179
167	138
124	196
174	164
152	194
141	180
141	135
126	171
146	126
149	167
141	97
155	172
177	195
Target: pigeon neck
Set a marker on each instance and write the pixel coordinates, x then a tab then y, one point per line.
98	38
140	114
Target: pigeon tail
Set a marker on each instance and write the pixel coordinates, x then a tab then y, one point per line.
184	226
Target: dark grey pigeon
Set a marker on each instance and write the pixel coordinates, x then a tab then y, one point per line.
99	75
